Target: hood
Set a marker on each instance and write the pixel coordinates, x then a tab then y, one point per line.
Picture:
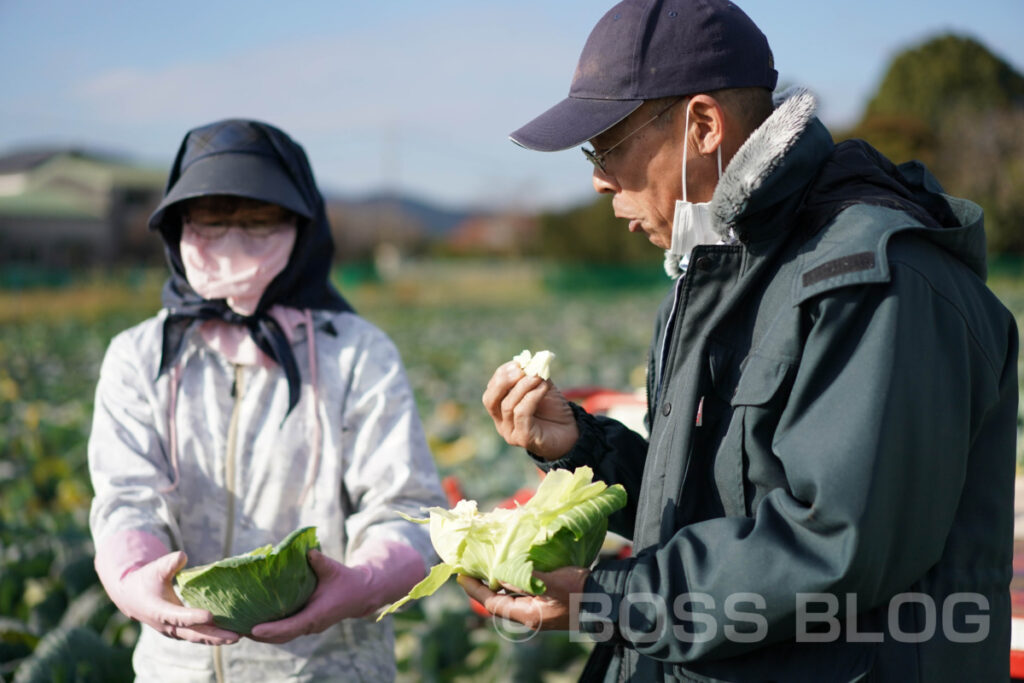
775	161
255	160
857	173
304	283
791	159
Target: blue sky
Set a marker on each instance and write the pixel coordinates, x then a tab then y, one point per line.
399	93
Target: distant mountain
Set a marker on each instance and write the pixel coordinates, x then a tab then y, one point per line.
435	220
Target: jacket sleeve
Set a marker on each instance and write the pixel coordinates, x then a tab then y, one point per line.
128	463
886	400
390	469
615	453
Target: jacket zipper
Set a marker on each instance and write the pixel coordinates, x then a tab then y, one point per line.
229	460
664	341
237	390
655	407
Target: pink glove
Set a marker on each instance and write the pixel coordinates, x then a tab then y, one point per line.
136	569
379	574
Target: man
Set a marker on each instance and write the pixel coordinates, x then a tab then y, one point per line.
827	490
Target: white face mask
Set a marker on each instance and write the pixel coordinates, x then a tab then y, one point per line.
236	266
691	224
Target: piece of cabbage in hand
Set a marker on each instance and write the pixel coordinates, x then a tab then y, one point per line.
535	364
265	584
562	525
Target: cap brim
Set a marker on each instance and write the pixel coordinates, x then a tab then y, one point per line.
232	173
572	122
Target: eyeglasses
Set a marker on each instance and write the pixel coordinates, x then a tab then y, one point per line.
598	158
212	231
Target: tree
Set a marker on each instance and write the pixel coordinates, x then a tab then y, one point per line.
592	234
957	107
980	155
948	102
942	75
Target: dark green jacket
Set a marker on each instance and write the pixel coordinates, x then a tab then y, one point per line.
832	413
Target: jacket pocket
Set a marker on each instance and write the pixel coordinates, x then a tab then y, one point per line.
745	466
760	380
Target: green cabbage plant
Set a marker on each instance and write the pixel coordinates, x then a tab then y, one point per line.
562	525
265	584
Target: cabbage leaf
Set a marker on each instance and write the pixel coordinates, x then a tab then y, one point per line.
563	524
265	584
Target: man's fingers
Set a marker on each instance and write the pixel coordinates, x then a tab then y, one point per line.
526	410
495	603
474	588
503	379
512	405
534	612
515	590
546	577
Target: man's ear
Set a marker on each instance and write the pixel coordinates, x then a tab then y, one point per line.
707	124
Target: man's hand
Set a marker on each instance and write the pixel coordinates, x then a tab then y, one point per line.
547	612
530	412
145	594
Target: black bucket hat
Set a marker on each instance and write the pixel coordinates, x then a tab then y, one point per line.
647	49
232	157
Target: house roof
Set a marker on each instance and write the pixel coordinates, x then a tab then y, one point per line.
28	158
50	204
70	183
25	160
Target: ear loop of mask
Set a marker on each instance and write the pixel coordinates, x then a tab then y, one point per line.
686	142
691	224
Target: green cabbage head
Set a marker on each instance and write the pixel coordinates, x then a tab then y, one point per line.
265	584
562	525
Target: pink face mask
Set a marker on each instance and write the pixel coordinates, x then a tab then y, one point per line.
236	266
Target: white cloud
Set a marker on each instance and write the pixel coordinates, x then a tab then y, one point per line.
446	76
429	109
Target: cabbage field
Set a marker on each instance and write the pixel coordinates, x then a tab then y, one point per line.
453	325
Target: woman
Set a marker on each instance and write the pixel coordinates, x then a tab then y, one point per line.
254	403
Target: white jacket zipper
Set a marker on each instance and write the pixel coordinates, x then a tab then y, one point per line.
229	486
229	460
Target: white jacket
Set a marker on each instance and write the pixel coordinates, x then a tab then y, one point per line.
241	470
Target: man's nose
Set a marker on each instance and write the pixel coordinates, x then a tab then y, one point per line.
604	183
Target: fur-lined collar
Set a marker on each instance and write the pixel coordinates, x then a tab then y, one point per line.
759	156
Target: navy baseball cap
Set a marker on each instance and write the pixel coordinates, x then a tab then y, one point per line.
646	49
